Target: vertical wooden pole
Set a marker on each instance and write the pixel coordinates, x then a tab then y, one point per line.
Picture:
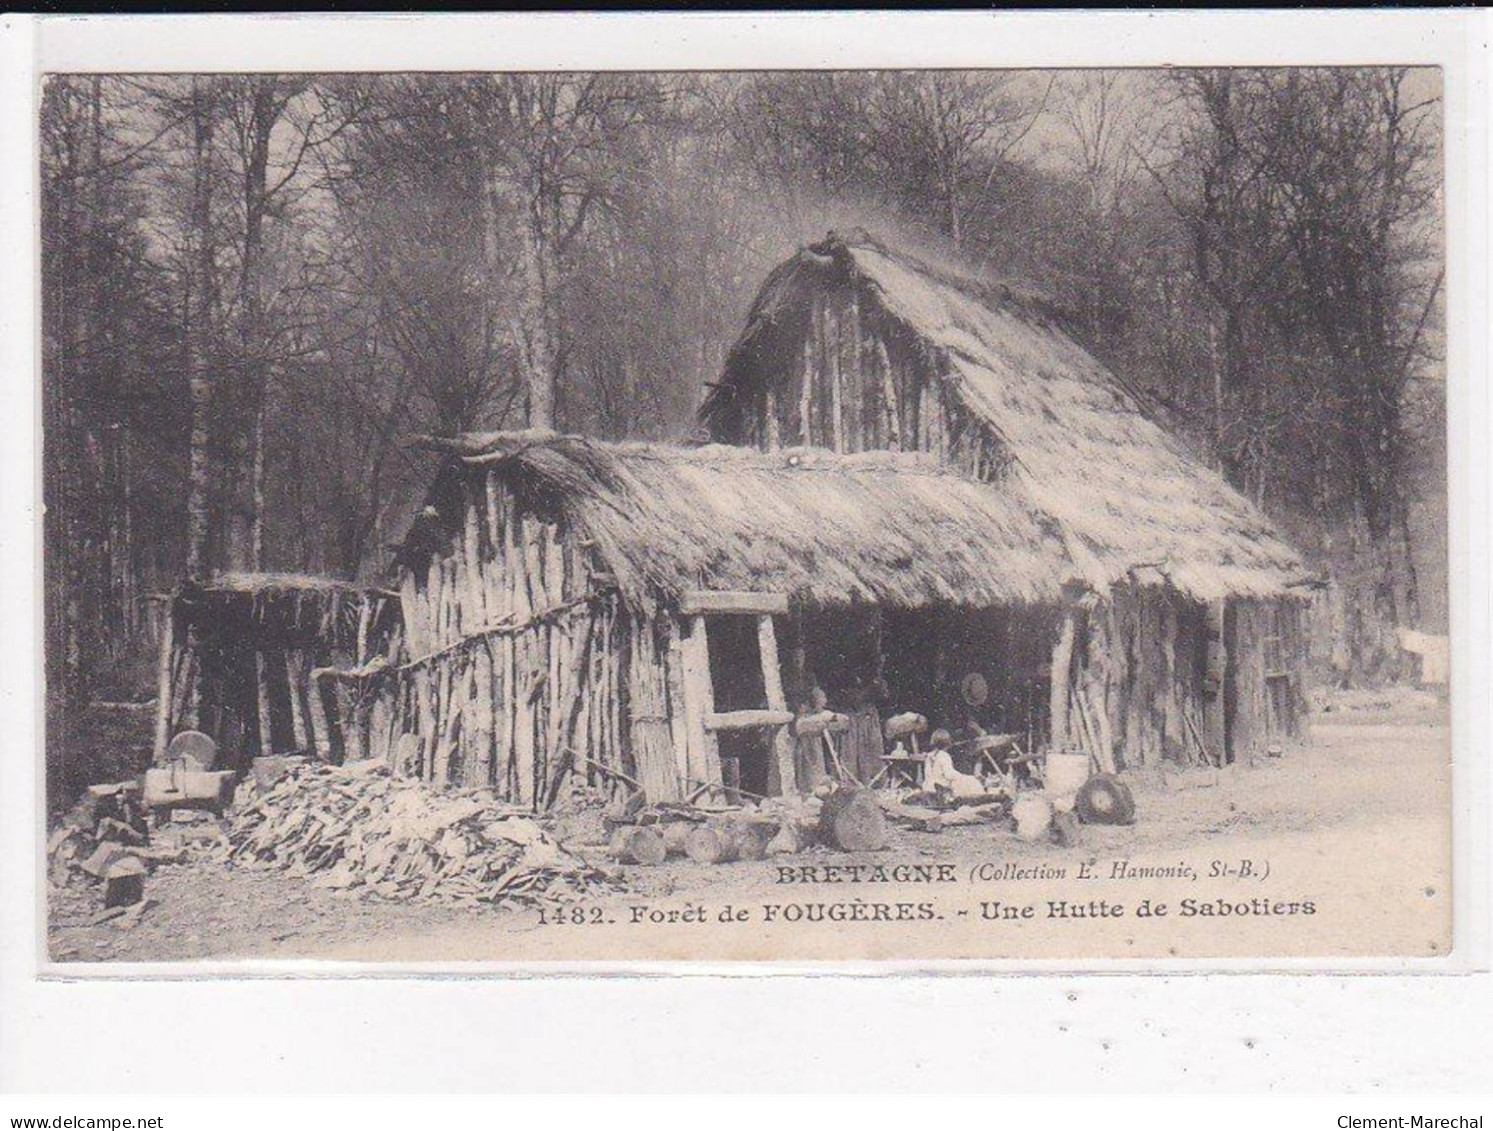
1215	729
293	683
806	387
262	684
320	731
684	756
163	684
772	678
365	620
771	435
893	405
1062	661
832	332
699	698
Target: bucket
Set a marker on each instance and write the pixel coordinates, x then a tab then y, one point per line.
1063	777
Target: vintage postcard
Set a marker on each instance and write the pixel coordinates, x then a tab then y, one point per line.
874	516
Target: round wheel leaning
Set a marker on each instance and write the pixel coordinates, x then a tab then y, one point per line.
1105	800
195	745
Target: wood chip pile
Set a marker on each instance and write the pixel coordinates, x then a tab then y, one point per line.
357	826
107	824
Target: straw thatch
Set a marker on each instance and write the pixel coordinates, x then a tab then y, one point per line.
1125	492
293	605
891	528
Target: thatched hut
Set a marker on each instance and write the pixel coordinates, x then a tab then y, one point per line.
647	613
1191	630
252	659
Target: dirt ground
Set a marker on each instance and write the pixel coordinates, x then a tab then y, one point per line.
1354	824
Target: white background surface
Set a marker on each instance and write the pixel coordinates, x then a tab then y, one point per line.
1373	1033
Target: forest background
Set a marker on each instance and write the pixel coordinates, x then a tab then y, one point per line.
255	287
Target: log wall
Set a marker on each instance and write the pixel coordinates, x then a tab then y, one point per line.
1267	657
1166	688
515	664
1139	660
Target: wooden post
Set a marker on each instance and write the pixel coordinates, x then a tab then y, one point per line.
806	388
297	709
1062	660
854	396
772	677
699	698
771	434
262	683
163	684
320	731
832	375
893	404
678	717
365	618
1215	729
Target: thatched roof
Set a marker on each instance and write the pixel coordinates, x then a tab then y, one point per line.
884	527
292	607
1125	492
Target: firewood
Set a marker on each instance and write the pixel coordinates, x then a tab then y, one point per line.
709	844
751	838
790	839
640	844
103	858
852	821
675	834
124	882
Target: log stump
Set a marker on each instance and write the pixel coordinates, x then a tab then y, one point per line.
852	821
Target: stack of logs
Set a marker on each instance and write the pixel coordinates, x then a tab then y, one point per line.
847	820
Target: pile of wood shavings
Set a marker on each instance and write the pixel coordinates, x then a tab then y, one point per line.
357	826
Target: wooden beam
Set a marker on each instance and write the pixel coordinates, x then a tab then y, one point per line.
746	720
1062	661
699	698
832	375
262	684
806	386
297	706
698	601
164	690
821	722
772	678
321	731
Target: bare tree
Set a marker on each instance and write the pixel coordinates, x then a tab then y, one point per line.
946	135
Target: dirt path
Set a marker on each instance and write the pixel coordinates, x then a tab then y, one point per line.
1355	824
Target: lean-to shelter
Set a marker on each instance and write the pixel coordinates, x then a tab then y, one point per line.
249	658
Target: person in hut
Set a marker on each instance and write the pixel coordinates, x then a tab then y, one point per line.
864	741
939	773
808	754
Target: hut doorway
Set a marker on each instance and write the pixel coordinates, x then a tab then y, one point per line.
736	676
733	689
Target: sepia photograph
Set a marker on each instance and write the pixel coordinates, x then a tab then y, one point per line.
850	515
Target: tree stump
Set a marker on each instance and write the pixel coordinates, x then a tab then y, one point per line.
639	844
852	821
710	844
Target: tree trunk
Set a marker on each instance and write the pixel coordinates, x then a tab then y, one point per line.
201	309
